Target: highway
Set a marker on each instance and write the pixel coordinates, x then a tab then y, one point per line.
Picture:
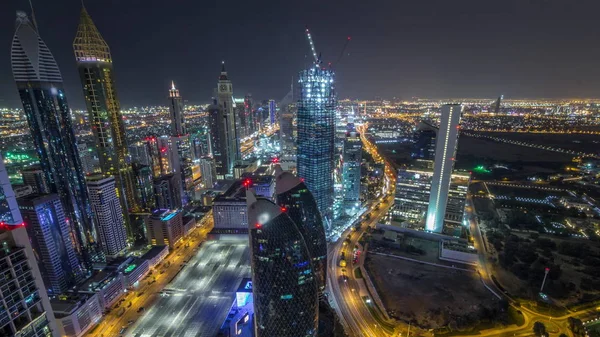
198	300
146	293
343	288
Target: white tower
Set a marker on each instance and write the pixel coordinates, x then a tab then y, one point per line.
109	216
445	151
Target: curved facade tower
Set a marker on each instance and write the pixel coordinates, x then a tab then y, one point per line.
94	62
286	302
316	131
45	104
293	195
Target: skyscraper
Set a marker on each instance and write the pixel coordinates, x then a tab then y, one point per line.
208	171
51	240
108	214
45	104
424	140
272	111
224	141
23	289
94	62
167	191
9	209
316	130
351	158
181	142
293	196
284	286
445	151
34	176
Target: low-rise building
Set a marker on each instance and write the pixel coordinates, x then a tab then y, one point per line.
109	284
155	255
135	270
165	227
76	313
455	251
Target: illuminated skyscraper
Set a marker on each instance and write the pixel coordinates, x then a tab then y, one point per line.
181	141
286	302
351	158
293	195
445	152
316	131
96	73
51	240
108	214
44	102
224	142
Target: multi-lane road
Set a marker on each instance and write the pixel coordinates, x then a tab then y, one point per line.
149	288
198	300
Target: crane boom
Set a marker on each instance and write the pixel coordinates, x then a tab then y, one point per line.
312	46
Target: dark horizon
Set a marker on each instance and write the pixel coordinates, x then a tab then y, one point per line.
434	49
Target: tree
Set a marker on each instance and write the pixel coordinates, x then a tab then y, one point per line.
539	329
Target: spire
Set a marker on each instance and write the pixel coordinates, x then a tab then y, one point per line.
173	92
173	85
89	44
223	72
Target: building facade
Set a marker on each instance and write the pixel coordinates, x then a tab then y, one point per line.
28	311
94	62
445	152
34	176
9	209
108	214
351	160
316	132
208	171
165	227
285	289
40	87
293	196
167	192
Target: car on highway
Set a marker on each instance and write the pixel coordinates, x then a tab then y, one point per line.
123	329
140	309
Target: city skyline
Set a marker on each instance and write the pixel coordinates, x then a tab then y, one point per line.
412	68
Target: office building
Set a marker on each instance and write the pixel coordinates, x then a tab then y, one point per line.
144	185
292	195
445	152
181	143
87	162
285	290
208	171
27	310
413	191
351	160
9	209
76	313
167	192
272	112
94	62
424	140
316	129
224	142
108	214
39	83
140	153
165	227
34	176
50	238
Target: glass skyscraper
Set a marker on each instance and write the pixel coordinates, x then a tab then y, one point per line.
316	131
9	210
45	105
285	289
293	195
96	73
351	159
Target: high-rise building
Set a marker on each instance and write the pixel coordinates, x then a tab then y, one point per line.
50	237
167	191
9	209
287	114
108	214
165	227
272	111
286	301
208	171
316	113
176	110
86	158
23	291
294	197
34	176
45	105
424	140
413	190
497	104
224	141
94	62
445	152
351	160
144	184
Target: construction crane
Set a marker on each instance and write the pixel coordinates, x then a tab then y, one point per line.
343	50
312	47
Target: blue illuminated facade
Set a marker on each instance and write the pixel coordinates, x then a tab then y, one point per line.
285	289
316	131
39	83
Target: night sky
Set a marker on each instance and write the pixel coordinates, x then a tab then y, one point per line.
436	49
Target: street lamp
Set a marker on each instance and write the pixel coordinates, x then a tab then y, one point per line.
546	271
